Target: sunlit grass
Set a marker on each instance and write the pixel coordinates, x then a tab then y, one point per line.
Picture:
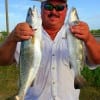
8	81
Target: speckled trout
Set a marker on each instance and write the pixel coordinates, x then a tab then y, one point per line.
76	49
30	54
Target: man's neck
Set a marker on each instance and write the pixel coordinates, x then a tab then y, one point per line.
52	31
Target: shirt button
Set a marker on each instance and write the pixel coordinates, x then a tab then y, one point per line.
53	68
53	82
53	54
54	97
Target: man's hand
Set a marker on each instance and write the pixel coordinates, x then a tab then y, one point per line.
81	31
22	31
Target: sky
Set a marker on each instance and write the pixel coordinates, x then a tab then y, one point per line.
88	11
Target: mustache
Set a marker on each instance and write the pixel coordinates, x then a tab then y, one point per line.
53	15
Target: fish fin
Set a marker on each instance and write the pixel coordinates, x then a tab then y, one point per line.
17	98
79	82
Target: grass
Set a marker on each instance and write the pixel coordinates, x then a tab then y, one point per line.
90	93
9	85
8	81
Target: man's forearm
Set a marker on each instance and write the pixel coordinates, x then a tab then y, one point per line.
93	50
7	50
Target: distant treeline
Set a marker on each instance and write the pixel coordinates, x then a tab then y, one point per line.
93	31
97	32
4	33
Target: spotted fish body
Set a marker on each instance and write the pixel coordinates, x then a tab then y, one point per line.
30	54
76	50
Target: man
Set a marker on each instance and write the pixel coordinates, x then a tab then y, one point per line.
55	79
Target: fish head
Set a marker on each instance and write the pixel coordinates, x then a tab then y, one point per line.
33	17
73	18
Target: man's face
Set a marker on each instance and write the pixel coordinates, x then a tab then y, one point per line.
52	16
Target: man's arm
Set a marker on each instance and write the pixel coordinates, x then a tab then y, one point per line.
7	50
93	49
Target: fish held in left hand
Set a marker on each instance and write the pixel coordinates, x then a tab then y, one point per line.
76	49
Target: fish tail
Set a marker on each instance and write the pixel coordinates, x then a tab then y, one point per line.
79	82
16	98
19	98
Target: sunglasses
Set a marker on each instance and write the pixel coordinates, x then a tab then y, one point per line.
50	7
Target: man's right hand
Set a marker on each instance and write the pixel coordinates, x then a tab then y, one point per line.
23	31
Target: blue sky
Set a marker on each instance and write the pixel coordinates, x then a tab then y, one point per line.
88	10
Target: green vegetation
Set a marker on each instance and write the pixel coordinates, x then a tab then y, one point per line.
8	81
96	31
4	33
92	76
91	91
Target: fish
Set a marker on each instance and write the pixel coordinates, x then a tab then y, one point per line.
76	49
30	54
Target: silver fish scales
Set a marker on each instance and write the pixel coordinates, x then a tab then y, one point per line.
76	50
30	54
